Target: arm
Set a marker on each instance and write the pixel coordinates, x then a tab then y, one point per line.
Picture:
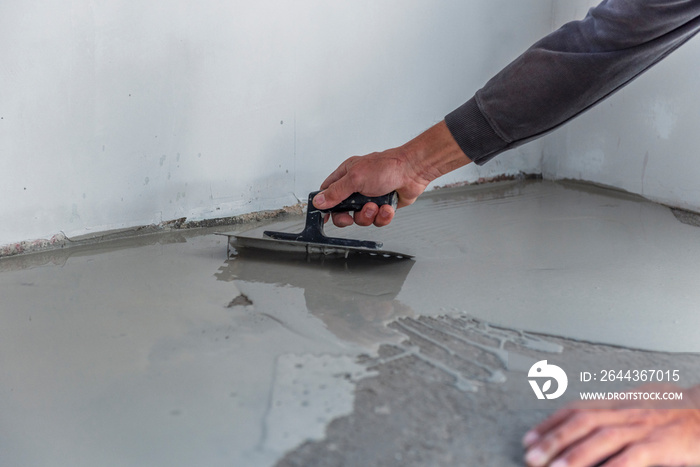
407	169
556	79
570	71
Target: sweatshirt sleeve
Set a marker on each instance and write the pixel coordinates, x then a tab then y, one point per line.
569	71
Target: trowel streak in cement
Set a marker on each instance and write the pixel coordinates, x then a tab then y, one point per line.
160	351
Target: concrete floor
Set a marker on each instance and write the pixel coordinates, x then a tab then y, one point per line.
159	350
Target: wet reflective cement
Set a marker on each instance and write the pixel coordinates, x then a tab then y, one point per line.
160	350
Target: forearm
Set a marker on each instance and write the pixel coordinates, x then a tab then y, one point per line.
569	71
434	153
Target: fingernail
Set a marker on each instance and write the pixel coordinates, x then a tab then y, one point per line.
536	457
530	437
385	214
319	200
559	463
370	213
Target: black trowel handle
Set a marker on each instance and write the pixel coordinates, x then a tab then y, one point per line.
313	230
355	202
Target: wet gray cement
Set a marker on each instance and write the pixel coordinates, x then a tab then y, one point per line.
413	412
160	350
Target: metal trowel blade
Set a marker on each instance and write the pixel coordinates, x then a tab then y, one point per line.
309	248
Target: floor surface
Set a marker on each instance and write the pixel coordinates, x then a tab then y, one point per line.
160	350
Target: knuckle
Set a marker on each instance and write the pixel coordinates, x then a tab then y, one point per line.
634	456
339	220
362	220
553	441
610	432
355	178
576	456
330	192
582	419
561	436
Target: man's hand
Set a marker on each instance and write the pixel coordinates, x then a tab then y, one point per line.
620	433
407	170
375	174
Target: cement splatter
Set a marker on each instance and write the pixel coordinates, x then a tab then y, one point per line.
687	217
412	412
308	392
240	300
470	351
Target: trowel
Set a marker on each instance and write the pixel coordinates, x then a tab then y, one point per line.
313	241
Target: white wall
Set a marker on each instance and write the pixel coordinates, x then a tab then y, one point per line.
122	113
645	139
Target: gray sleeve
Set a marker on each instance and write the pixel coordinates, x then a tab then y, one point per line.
569	71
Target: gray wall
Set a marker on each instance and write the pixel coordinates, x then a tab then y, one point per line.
116	114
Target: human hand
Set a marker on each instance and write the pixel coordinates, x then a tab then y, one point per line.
620	433
375	174
407	170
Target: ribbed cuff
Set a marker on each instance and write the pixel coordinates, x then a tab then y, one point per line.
473	133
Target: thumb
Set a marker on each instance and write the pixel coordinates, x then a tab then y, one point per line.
334	194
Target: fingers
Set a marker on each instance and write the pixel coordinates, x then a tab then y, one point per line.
342	219
638	454
340	172
336	192
345	181
568	428
662	447
602	444
374	174
618	436
386	214
371	214
536	433
632	445
560	416
367	215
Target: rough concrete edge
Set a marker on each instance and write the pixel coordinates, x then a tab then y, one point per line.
60	240
686	217
683	215
497	178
